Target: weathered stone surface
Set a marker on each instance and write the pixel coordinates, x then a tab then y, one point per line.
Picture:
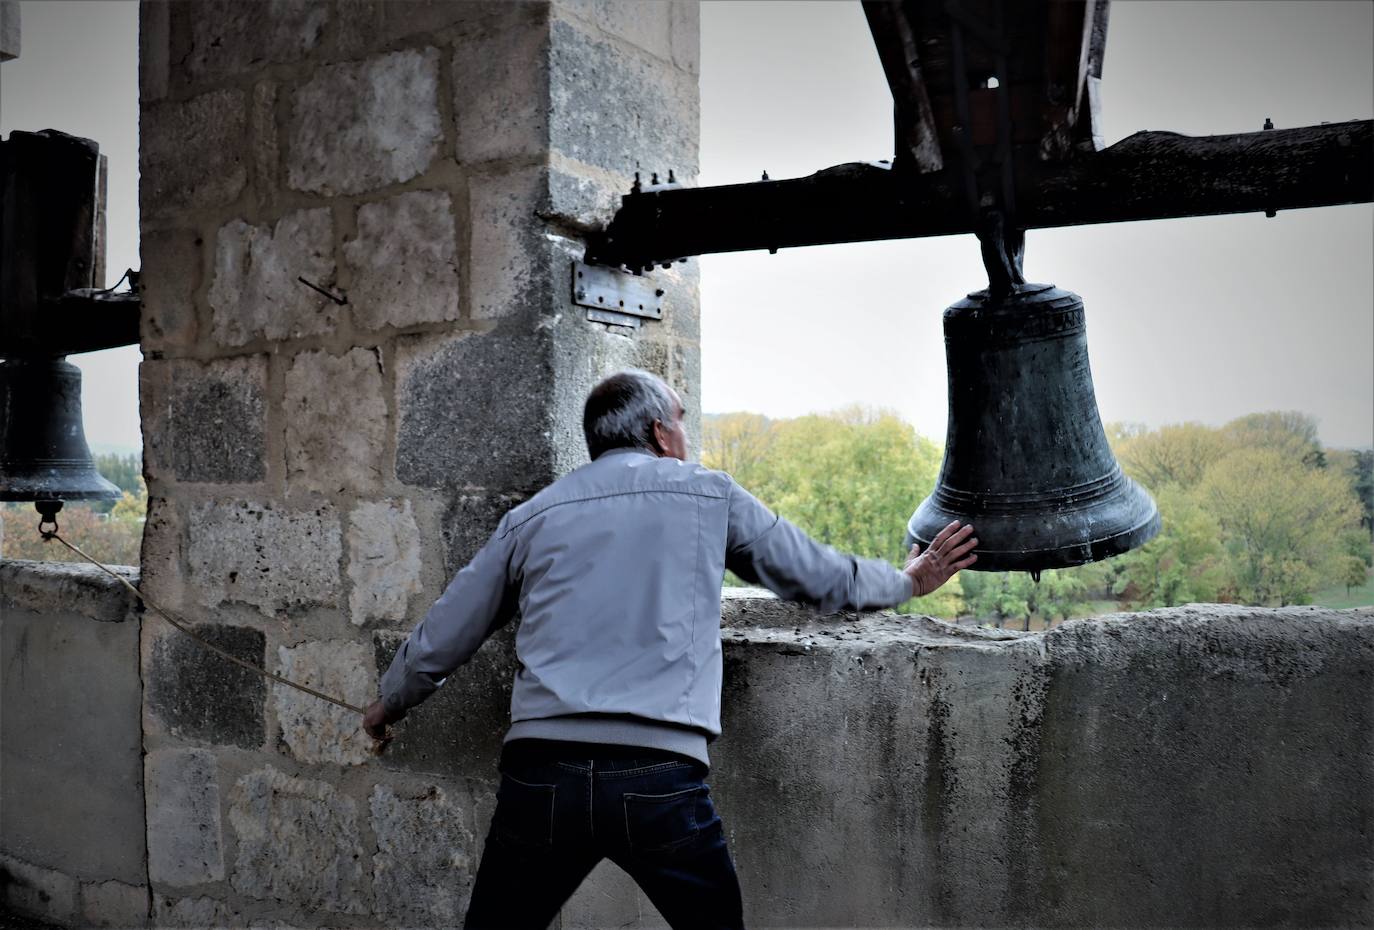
192	153
71	786
472	411
685	377
41	892
298	840
229	37
687	35
257	554
347	132
162	576
315	730
198	695
383	560
203	913
266	148
366	25
606	898
646	25
256	293
581	197
426	858
67	588
336	420
183	817
459	730
167	287
114	904
154	52
467	525
404	261
206	419
509	270
618	110
501	91
10	36
982	749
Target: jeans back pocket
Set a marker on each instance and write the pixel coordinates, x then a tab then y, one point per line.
658	825
524	814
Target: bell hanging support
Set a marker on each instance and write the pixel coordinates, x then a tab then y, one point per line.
1026	459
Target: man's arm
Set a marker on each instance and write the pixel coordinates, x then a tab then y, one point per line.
478	601
763	548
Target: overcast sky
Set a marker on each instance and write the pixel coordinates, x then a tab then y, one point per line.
1200	319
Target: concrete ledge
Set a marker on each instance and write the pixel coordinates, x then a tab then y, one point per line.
1209	765
66	588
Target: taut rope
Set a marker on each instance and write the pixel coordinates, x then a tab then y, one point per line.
256	670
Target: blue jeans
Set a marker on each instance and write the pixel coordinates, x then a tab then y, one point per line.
563	807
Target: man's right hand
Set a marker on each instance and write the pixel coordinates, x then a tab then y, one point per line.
950	550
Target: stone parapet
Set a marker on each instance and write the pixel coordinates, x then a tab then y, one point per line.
1200	766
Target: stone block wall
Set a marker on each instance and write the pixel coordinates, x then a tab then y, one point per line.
318	467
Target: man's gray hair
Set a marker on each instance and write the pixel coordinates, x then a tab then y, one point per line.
621	411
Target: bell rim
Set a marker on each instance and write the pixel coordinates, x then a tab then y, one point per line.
1081	552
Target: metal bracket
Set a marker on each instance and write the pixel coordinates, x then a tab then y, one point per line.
614	296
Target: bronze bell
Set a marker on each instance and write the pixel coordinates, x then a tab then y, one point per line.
1026	459
43	451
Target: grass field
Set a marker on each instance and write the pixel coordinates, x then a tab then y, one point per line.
1336	595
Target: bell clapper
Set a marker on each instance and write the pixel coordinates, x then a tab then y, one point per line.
1035	575
47	515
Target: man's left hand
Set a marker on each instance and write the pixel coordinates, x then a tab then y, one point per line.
950	551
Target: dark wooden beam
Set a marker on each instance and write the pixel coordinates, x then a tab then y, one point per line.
1148	176
917	139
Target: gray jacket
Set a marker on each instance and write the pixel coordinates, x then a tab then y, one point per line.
615	571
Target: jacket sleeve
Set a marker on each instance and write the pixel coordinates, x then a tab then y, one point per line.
478	601
763	548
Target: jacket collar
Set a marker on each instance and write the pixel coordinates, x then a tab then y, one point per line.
626	450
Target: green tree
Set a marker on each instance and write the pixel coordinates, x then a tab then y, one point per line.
737	443
112	541
1358	464
851	479
1354	571
1286	431
1176	454
1283	522
123	471
1185	563
1018	597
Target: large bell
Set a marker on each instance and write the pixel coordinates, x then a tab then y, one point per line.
1026	460
43	451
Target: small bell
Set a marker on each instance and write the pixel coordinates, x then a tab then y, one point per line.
43	451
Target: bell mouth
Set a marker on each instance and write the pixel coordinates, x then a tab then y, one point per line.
1052	535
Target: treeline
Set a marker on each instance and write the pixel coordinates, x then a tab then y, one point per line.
111	531
1255	512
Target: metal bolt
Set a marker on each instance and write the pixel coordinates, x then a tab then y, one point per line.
671	178
1268	123
765	175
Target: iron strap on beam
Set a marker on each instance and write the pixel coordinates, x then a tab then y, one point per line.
1147	176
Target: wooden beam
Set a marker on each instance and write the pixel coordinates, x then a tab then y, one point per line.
1148	176
917	140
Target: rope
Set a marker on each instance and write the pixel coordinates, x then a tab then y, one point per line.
256	670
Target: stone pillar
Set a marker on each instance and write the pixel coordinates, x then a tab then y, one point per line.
322	454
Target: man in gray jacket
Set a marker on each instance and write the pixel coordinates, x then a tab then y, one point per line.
615	572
